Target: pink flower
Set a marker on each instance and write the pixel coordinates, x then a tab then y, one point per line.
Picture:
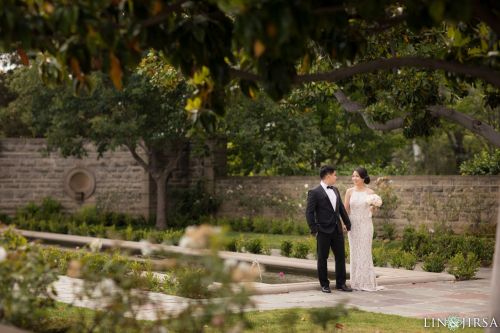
282	275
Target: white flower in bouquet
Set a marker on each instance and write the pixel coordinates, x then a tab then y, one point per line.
374	200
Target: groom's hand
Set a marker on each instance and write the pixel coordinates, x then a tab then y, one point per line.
344	228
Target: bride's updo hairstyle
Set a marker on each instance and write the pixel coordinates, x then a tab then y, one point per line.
363	174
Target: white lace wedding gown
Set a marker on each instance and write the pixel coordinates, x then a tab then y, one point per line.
360	244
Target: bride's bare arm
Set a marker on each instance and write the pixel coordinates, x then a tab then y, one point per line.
346	201
373	209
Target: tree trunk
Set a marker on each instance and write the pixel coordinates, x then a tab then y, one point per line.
495	282
456	139
163	166
161	199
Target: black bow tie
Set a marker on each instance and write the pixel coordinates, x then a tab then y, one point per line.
330	187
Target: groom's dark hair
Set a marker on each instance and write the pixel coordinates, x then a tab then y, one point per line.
326	170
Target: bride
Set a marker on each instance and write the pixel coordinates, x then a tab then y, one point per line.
359	203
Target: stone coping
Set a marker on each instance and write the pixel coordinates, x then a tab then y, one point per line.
385	275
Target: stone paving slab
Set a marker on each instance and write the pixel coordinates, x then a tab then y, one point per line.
423	300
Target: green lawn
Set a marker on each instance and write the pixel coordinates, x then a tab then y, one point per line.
62	317
275	321
356	321
274	241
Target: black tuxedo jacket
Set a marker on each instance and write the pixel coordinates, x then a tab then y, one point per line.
320	214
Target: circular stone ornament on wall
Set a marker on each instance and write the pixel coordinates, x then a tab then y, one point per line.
79	183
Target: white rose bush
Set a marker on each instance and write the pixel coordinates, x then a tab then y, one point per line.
117	294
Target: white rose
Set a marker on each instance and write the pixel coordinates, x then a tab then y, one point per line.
230	264
146	247
95	245
374	200
107	287
188	242
3	254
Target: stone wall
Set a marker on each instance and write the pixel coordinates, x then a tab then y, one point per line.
459	200
27	174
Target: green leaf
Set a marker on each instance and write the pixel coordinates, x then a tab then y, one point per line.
249	88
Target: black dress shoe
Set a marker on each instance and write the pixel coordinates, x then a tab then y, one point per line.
326	290
344	288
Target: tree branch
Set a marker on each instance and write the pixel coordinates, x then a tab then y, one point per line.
355	107
172	164
472	124
480	72
329	10
466	121
143	147
139	159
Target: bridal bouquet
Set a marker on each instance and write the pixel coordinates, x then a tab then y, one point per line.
374	200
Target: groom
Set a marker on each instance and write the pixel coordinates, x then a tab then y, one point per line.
323	212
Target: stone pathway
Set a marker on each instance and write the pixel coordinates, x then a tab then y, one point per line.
420	300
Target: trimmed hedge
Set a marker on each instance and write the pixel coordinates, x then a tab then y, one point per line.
423	243
261	225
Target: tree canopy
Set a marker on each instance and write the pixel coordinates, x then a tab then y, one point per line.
146	117
299	134
267	42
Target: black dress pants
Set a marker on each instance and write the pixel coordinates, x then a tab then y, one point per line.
325	242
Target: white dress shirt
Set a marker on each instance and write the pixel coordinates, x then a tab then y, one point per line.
331	194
